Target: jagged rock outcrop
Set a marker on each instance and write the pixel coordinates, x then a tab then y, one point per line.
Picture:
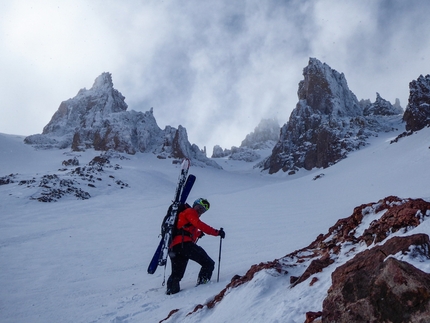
82	117
327	123
417	114
88	108
264	136
71	162
71	181
382	107
398	214
373	287
97	118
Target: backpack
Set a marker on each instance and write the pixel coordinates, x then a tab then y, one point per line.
165	224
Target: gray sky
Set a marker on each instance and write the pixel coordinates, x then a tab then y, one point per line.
215	67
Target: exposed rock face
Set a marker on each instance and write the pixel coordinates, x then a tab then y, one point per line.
374	288
400	214
417	114
327	123
97	118
127	132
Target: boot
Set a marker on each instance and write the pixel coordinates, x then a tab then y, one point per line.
202	281
172	286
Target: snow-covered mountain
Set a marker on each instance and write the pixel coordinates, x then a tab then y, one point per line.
97	118
328	122
263	138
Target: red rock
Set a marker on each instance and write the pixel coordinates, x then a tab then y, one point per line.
372	288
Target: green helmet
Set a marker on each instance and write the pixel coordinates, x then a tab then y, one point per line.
203	202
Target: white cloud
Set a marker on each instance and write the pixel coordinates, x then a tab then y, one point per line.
215	67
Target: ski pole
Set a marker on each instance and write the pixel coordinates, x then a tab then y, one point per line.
219	258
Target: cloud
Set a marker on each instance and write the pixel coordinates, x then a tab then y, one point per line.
50	49
215	67
380	46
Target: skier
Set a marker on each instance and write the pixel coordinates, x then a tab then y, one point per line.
183	247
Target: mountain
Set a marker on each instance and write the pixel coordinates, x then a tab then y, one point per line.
97	118
328	122
264	137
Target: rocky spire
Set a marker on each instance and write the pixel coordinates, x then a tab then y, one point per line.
417	114
87	109
383	107
327	123
103	81
325	91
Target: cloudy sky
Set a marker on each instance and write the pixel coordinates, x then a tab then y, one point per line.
215	67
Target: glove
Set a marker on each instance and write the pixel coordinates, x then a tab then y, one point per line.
221	233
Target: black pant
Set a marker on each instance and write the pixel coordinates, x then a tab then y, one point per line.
179	256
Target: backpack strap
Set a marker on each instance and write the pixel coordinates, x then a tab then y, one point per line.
184	233
181	231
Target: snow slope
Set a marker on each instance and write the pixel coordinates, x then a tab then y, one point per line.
86	260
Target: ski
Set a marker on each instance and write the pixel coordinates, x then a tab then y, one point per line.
184	195
183	189
154	261
173	211
187	188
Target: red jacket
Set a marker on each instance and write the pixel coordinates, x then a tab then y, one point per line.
195	227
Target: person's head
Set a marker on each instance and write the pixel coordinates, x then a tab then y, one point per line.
201	205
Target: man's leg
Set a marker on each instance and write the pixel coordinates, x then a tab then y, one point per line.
199	255
179	264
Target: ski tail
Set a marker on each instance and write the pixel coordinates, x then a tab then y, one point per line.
154	261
